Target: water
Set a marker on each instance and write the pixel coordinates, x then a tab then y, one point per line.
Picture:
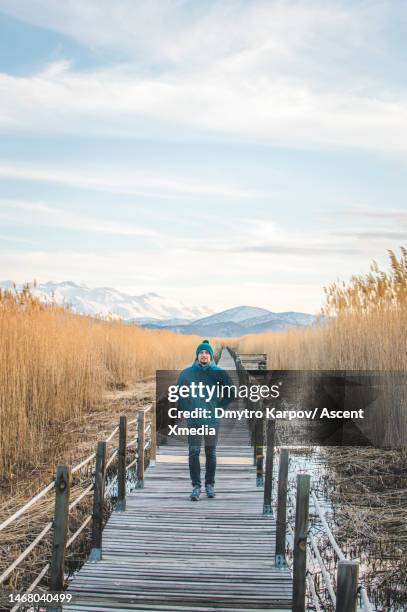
313	461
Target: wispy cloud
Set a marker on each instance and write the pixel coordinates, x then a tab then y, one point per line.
310	250
364	226
17	239
375	235
250	71
218	102
274	242
42	214
392	215
117	180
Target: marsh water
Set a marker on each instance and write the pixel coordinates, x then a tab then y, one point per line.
314	461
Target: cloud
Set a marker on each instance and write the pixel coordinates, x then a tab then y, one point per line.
170	33
251	257
114	102
310	250
42	214
122	181
375	235
17	239
392	224
252	240
392	215
260	71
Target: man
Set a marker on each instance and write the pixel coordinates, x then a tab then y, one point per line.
203	370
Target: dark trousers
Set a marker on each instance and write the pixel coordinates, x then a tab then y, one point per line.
194	450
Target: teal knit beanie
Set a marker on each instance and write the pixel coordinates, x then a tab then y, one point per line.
204	346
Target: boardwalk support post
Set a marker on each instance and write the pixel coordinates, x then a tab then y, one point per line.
98	503
281	523
347	581
253	434
62	490
268	483
300	542
140	450
164	424
121	465
153	447
259	441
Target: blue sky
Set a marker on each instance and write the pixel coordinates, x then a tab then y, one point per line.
223	153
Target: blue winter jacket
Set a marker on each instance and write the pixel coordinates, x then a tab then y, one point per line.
209	374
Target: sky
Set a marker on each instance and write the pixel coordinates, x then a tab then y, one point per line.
222	152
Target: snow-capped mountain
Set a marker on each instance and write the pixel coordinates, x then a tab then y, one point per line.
236	315
158	312
239	321
105	301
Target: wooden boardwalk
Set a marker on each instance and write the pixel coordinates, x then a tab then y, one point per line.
166	553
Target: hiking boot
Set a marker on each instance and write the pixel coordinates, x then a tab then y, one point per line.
196	492
210	491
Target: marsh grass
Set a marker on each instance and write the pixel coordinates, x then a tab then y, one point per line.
364	329
56	365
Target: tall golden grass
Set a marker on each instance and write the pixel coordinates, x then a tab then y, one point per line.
366	330
55	365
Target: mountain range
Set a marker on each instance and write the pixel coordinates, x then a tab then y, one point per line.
239	321
157	312
105	301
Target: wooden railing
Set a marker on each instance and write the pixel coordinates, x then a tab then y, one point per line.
267	449
115	463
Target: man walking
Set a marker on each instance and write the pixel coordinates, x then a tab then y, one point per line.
204	371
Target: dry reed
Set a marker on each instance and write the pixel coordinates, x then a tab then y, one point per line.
56	365
366	329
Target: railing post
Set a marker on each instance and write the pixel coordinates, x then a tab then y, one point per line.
253	438
300	542
98	503
121	465
141	434
259	441
153	448
165	424
268	483
62	490
281	524
347	586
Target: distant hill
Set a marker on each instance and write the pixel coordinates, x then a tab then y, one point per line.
155	311
235	315
239	321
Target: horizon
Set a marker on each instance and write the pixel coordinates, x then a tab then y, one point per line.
216	152
154	293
